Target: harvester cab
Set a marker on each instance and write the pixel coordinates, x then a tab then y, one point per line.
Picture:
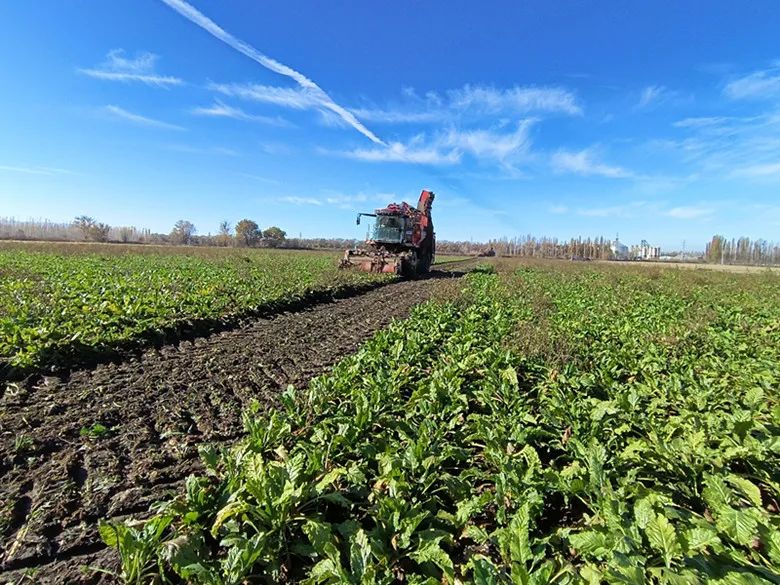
401	241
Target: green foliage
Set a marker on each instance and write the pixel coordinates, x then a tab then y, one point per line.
95	431
56	306
484	269
438	453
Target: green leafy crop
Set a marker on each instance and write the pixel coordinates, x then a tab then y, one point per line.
633	439
56	306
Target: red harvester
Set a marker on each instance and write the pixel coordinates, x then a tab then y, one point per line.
402	240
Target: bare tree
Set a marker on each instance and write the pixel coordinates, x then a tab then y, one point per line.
85	224
99	232
224	236
92	230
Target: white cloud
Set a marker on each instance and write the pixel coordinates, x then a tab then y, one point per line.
36	170
472	102
701	122
559	209
141	69
288	97
584	163
759	84
449	147
730	146
341	200
485	144
207	150
300	200
138	119
261	178
653	94
762	170
399	152
398	116
221	110
517	99
689	212
325	101
613	211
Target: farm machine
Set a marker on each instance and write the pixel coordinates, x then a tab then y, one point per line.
401	241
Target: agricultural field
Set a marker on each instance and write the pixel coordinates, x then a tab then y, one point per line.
548	426
535	422
65	303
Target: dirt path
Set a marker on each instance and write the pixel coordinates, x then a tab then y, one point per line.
60	472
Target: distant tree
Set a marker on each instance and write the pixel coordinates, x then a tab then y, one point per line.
274	236
99	232
224	236
126	234
715	249
247	233
84	223
182	232
92	230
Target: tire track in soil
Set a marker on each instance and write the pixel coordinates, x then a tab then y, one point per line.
56	484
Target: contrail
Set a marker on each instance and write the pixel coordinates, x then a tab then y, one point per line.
192	14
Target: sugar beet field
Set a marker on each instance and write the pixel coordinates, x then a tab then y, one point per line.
252	416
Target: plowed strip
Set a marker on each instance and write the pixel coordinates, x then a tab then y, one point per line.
61	473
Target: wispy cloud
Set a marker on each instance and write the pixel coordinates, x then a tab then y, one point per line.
141	69
653	95
398	116
516	99
558	209
261	179
138	119
701	122
222	110
341	200
325	101
207	150
762	84
610	211
399	152
300	200
729	146
690	212
473	101
762	170
485	144
450	146
288	97
584	162
36	170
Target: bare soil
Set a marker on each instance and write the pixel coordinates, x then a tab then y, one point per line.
60	472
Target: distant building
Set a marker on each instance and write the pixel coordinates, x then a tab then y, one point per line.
645	251
619	250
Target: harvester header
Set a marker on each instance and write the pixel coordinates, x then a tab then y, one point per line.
402	240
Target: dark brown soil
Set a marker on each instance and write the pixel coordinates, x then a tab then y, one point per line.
60	472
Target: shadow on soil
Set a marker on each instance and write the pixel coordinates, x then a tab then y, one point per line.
63	359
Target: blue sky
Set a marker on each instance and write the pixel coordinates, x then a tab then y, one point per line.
656	120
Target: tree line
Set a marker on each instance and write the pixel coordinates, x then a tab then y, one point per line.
721	250
246	233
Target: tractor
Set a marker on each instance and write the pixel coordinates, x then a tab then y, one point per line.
401	241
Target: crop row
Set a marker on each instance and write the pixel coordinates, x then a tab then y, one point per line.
54	307
547	427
